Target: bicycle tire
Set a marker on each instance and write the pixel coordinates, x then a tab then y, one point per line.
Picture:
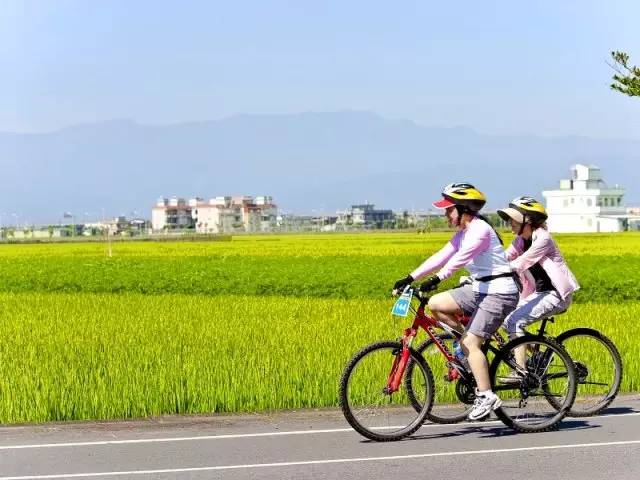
441	413
349	410
576	356
504	357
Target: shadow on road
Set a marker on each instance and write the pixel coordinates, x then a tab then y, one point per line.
503	431
619	410
493	431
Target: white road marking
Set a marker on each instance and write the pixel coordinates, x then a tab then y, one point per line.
319	462
249	435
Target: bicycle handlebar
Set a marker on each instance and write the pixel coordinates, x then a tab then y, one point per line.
417	294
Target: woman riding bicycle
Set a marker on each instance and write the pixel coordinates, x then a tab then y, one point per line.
548	284
491	296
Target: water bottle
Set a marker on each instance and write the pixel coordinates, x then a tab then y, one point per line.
459	355
457	351
453	373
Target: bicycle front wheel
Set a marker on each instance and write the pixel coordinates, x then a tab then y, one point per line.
367	404
535	396
598	369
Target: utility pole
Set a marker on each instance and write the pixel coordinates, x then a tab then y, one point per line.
108	231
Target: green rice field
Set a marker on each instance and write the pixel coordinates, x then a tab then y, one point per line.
258	323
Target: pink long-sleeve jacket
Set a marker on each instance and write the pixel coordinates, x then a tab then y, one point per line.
544	250
478	249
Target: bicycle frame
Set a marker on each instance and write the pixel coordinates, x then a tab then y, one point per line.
428	323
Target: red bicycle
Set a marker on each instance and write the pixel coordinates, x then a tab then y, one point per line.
387	389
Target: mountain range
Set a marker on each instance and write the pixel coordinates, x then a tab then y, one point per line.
309	162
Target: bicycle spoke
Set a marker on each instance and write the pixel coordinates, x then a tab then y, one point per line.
453	397
538	399
368	407
598	368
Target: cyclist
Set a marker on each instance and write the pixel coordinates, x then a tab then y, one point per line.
548	284
492	294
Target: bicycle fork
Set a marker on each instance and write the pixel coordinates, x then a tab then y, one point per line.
400	361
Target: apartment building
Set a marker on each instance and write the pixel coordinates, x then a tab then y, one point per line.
226	214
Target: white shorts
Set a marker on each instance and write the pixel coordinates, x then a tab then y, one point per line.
535	307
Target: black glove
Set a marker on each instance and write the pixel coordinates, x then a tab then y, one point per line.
400	285
430	284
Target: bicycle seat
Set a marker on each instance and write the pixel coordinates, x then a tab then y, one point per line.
551	318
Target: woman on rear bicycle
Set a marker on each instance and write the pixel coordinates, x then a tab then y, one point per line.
548	290
548	284
491	296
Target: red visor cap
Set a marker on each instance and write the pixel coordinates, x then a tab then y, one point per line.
444	203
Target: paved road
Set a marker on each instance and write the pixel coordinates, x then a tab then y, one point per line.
319	445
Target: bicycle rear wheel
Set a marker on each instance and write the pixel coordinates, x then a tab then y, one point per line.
453	399
537	396
366	403
598	369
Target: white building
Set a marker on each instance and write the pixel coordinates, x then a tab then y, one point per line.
235	214
584	203
171	214
365	215
218	215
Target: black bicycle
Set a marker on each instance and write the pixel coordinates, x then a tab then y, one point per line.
596	360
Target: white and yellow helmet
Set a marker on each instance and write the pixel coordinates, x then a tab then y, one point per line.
462	194
524	209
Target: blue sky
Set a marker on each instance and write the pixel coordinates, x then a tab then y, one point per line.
498	67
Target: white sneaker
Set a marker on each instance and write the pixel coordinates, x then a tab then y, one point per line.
483	405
